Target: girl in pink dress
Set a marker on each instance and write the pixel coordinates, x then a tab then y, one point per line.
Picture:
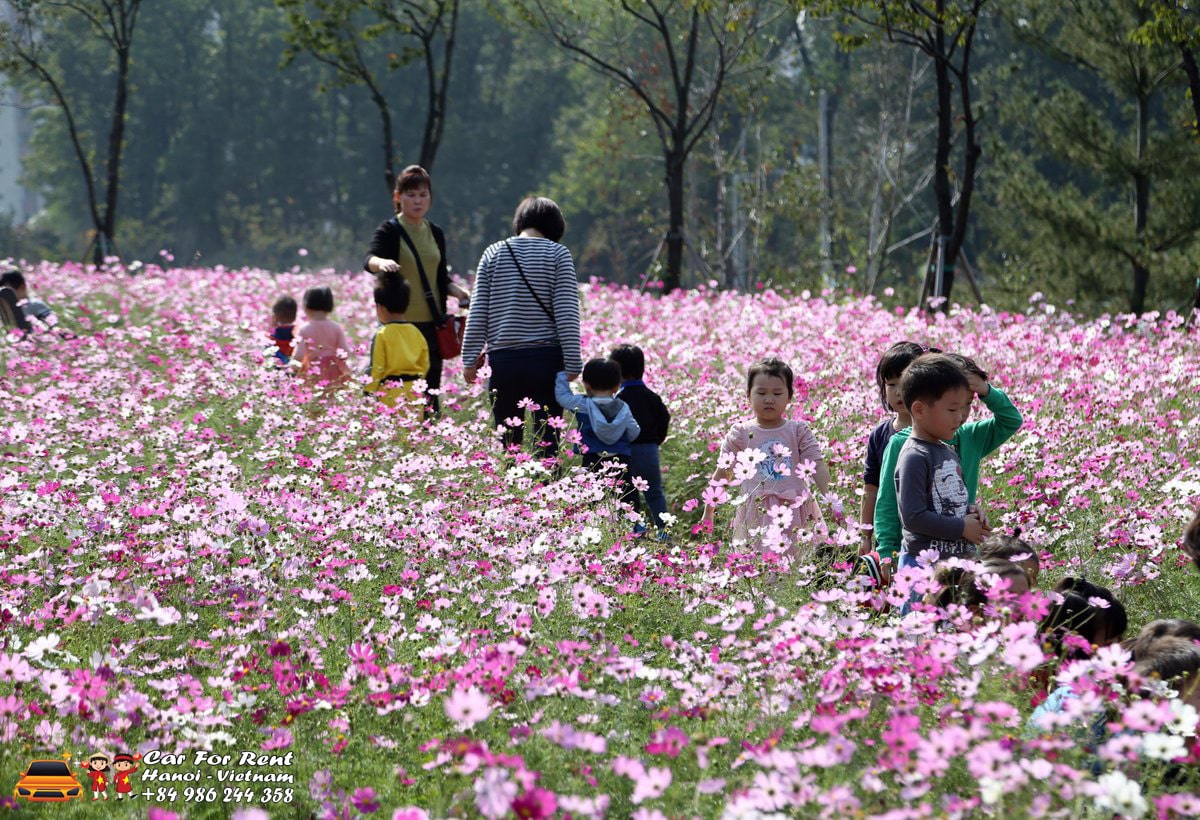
321	347
774	463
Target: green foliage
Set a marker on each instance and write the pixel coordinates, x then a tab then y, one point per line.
1068	160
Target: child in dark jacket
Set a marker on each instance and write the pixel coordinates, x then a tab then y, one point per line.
606	424
653	417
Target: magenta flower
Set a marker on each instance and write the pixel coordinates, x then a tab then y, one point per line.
535	804
669	741
365	801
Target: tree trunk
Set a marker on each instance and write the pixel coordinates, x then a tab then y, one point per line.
439	82
827	103
675	168
941	172
1141	206
385	116
107	229
1193	75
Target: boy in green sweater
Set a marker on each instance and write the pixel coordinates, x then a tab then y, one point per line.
973	442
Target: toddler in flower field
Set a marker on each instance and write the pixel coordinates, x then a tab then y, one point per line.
321	345
283	317
970	442
931	496
606	424
775	460
887	380
399	352
653	417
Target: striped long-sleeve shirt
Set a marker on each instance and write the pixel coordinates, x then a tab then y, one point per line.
504	314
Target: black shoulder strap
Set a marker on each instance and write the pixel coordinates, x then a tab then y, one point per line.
532	292
438	317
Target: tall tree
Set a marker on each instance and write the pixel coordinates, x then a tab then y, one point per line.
37	43
1176	23
337	32
674	56
1108	171
944	31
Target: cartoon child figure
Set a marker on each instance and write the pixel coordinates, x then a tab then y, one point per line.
97	770
124	766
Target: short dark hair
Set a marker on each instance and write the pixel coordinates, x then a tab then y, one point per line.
392	293
285	308
12	278
319	298
1167	650
968	365
631	360
1007	547
892	363
413	178
602	374
929	378
959	585
1191	539
1163	628
541	214
1078	613
771	366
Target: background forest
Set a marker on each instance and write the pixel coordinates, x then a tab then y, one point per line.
751	143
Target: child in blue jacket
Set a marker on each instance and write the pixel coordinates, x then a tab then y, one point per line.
606	424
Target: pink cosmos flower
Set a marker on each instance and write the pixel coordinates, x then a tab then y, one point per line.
467	707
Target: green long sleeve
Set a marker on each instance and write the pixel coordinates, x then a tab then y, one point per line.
973	441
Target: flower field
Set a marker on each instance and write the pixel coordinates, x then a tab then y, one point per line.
197	554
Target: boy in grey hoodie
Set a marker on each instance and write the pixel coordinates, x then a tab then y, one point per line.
606	424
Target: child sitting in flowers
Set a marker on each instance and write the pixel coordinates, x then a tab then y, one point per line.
775	460
1086	618
1013	548
971	442
606	424
995	581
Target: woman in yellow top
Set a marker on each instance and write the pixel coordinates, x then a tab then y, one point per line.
399	352
390	253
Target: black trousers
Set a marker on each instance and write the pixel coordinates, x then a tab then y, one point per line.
433	379
526	373
610	462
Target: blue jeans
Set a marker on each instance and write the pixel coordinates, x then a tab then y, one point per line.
643	463
904	562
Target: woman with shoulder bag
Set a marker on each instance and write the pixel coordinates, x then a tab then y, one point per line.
414	247
525	311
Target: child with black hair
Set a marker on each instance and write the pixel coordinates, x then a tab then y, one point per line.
1085	618
653	417
776	460
1169	651
283	317
321	344
931	497
887	381
971	442
399	352
975	588
1191	540
606	424
1013	548
14	290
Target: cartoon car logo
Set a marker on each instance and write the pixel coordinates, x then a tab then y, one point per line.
48	781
